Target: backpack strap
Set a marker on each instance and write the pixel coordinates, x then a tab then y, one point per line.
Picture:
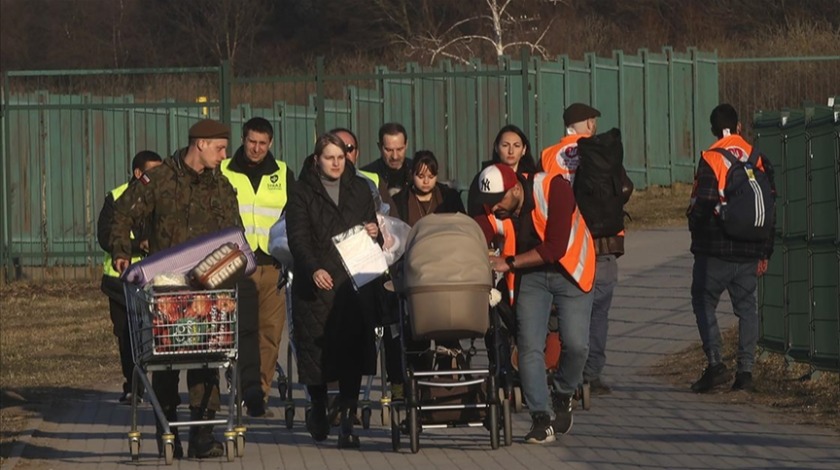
728	155
754	156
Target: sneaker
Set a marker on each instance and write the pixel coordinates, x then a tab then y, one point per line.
541	430
563	417
743	381
598	387
712	377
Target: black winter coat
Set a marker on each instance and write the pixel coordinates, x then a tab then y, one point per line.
333	331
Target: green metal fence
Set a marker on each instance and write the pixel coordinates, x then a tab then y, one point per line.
800	294
68	136
659	100
67	139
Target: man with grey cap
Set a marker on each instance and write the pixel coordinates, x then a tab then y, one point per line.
181	199
602	209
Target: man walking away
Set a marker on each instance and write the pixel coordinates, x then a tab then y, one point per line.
727	257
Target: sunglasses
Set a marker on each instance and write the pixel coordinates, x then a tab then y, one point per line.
350	148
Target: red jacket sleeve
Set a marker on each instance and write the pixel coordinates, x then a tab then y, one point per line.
486	227
561	205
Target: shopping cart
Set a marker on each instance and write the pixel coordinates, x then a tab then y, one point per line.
183	330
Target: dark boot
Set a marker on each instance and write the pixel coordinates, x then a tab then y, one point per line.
316	421
202	443
171	415
346	438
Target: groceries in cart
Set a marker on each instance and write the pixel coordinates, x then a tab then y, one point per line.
187	295
193	321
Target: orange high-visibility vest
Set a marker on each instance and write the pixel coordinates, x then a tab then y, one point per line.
579	260
736	145
562	157
505	229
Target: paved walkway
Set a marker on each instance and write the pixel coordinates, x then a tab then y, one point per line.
645	423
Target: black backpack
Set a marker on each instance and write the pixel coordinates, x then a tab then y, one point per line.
599	180
748	211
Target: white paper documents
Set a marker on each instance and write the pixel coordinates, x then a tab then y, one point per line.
361	255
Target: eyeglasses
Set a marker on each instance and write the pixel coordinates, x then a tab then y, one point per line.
350	148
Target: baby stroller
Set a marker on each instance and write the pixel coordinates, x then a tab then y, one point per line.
444	287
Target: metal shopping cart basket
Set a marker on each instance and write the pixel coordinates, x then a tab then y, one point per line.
182	330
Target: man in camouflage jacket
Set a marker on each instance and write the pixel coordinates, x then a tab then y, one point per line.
181	199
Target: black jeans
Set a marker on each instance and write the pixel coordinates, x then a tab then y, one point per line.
119	318
249	327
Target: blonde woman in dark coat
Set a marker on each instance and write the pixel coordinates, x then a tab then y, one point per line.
333	323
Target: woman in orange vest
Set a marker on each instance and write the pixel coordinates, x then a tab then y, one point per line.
555	262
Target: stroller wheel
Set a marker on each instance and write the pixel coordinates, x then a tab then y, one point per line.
366	413
386	414
516	399
506	422
494	426
290	416
395	430
585	397
414	429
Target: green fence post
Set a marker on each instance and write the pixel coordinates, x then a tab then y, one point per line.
618	56
672	124
225	96
525	61
5	241
648	112
320	117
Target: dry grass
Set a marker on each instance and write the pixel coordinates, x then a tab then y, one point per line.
55	342
784	388
658	206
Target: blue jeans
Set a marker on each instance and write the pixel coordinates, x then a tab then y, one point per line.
710	277
537	292
606	278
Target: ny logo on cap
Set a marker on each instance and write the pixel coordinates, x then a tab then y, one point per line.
485	185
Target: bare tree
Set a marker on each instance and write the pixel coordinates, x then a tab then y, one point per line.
222	27
428	28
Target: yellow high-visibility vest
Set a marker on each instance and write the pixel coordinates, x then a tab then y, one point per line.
107	262
259	210
371	176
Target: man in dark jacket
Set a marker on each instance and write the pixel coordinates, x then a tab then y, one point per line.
393	168
111	284
722	262
182	199
601	193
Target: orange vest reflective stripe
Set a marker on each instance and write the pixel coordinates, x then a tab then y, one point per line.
736	145
562	157
505	229
579	260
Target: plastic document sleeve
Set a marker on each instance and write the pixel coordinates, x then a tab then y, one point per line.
362	258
